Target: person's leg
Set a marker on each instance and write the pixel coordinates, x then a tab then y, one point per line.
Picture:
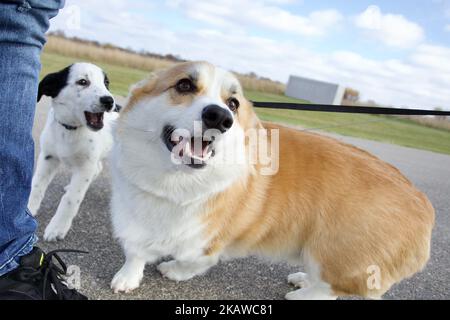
22	27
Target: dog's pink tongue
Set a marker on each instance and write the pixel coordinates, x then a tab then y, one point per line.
95	118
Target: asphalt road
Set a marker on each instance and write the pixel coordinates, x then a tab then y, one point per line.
248	278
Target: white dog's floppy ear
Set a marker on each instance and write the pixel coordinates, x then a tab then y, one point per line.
117	108
53	83
106	80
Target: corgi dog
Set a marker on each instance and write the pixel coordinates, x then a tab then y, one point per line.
186	184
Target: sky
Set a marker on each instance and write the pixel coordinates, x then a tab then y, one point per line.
394	52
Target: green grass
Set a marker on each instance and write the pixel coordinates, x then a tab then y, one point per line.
380	128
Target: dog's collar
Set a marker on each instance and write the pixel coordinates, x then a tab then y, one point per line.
68	127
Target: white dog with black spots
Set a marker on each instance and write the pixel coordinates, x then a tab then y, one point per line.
77	134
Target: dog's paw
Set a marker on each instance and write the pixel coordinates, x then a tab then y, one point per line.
299	280
33	207
33	212
311	293
295	295
174	270
56	230
125	281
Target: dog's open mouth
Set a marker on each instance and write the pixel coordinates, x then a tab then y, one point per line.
192	151
94	120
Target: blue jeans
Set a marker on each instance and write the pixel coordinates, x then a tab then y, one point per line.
22	28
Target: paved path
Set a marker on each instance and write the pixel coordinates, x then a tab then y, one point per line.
244	278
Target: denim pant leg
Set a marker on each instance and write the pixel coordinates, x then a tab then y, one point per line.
22	27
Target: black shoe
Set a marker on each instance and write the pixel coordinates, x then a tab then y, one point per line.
38	278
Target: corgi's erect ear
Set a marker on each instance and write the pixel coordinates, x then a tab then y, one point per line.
53	83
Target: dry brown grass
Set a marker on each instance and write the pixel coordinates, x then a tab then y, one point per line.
116	56
442	123
432	122
262	85
91	52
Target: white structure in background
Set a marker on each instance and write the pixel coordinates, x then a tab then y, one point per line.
314	91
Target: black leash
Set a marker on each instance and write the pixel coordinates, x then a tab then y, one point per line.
349	109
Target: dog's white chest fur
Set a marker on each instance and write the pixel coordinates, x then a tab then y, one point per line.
75	148
155	226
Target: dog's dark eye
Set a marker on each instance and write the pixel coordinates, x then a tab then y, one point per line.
185	86
106	82
233	104
83	82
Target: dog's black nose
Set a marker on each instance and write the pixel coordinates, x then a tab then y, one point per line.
215	117
107	102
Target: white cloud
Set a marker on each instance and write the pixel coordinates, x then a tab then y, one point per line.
260	13
422	79
284	1
391	29
433	57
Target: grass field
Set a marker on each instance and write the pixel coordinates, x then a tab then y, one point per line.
380	128
121	77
